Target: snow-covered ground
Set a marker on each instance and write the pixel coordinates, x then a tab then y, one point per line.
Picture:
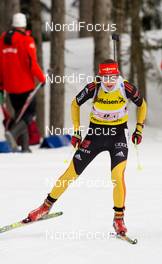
81	235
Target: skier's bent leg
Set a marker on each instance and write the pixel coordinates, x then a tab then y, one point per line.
60	186
79	162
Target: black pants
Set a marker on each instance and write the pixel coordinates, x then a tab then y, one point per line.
102	138
18	101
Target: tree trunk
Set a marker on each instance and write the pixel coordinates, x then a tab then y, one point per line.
2	17
35	10
57	66
85	15
101	15
137	61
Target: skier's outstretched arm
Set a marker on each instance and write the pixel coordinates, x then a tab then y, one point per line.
80	99
133	93
141	115
75	115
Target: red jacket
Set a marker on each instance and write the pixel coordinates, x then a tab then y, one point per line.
18	64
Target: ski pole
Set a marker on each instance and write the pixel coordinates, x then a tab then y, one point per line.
28	101
5	112
7	116
115	38
139	166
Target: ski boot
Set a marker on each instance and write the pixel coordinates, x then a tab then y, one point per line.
118	223
38	213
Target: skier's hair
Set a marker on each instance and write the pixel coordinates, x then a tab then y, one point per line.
108	61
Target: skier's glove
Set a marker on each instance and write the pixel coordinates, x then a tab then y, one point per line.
76	139
137	137
1	97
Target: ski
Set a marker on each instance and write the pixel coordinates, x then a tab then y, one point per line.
127	239
124	238
27	222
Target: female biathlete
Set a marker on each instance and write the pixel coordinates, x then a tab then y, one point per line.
107	132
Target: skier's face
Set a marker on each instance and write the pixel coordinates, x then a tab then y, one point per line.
109	80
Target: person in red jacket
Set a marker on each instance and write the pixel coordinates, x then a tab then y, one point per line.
19	71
